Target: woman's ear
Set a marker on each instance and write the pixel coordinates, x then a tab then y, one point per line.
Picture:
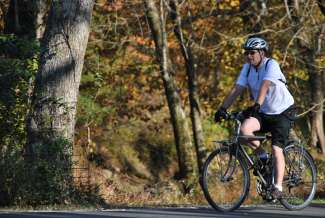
262	52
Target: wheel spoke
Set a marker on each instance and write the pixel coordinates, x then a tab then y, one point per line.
300	179
225	180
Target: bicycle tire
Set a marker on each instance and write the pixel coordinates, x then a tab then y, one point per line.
217	190
300	179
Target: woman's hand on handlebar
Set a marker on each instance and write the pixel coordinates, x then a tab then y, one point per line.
221	114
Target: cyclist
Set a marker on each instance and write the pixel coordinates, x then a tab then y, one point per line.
267	85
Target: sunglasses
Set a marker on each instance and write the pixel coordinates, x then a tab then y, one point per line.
250	52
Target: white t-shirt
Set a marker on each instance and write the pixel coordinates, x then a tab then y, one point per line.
278	97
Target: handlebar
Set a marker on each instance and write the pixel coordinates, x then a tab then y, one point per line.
237	116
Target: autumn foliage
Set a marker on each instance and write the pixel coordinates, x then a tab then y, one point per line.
124	139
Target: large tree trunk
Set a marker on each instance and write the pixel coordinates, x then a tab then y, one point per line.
54	101
26	18
178	118
192	86
317	95
310	45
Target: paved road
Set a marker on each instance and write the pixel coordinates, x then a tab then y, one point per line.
201	212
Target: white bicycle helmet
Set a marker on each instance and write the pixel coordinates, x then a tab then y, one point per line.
255	43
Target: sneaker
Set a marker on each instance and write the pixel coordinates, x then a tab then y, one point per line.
276	193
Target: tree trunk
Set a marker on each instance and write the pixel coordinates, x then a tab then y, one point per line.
317	95
54	100
26	18
309	50
192	86
12	21
178	118
40	13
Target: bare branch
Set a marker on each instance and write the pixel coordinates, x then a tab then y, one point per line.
287	9
290	43
320	36
311	108
296	5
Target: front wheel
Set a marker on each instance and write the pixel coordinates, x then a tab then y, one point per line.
225	180
299	183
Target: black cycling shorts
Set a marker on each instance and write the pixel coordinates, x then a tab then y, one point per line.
278	125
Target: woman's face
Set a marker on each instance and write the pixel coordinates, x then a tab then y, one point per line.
254	57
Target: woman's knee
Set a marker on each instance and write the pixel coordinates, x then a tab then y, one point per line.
249	126
245	129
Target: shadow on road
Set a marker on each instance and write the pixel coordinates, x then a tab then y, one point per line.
251	212
314	211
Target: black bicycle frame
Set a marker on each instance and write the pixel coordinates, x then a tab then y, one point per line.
239	148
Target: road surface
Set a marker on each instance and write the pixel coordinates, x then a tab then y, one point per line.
314	211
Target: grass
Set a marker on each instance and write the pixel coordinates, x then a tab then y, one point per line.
319	201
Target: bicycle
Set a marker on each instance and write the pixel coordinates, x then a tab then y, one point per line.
225	176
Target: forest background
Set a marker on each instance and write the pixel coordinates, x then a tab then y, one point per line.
151	77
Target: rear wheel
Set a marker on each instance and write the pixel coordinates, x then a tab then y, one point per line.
225	180
299	183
